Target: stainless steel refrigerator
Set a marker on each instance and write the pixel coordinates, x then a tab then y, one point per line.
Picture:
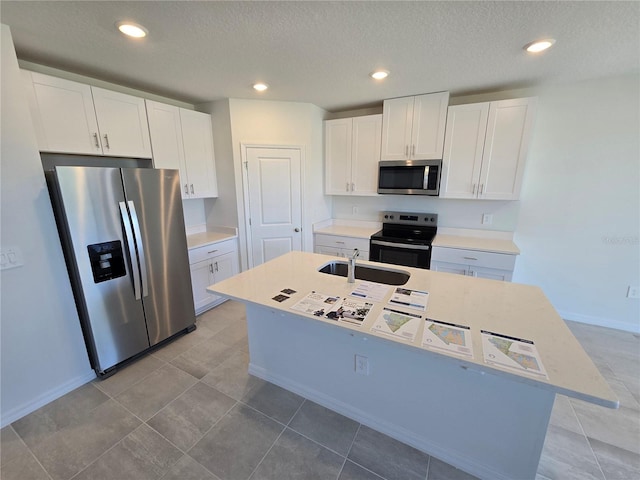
123	236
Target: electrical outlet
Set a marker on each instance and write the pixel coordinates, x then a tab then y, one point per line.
633	292
10	257
354	210
487	218
362	365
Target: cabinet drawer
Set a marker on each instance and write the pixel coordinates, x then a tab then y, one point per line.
473	257
348	243
212	250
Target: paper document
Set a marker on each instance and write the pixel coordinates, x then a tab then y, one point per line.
350	310
415	299
315	303
397	323
371	291
447	337
511	352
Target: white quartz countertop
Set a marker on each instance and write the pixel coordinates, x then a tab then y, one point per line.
348	231
494	245
207	238
506	308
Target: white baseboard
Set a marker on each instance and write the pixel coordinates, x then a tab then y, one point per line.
47	397
599	321
400	434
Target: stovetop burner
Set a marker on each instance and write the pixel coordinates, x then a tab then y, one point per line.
411	228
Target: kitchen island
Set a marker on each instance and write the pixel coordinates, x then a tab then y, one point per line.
485	419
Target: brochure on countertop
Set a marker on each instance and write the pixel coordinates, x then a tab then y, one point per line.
315	303
513	353
397	323
447	337
414	299
374	292
350	310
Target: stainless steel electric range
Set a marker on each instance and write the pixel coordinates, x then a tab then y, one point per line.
405	239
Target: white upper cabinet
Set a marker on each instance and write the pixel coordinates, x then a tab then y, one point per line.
197	137
413	127
72	117
63	114
122	121
183	139
463	148
352	153
166	139
486	148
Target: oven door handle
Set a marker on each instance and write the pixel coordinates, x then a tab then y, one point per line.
400	245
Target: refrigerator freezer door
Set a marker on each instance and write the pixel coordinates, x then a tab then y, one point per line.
113	320
157	212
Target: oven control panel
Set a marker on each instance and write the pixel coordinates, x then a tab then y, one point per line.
410	218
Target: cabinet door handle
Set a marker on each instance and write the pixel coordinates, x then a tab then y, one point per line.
347	186
192	192
470	258
95	137
473	191
413	150
210	268
213	251
353	187
481	188
406	150
106	141
216	266
337	241
296	229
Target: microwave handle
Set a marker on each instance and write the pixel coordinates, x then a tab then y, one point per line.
425	181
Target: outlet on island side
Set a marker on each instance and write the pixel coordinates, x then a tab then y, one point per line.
633	292
487	218
362	365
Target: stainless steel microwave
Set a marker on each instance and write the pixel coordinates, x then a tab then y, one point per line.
409	177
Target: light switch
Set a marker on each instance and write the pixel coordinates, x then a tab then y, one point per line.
10	257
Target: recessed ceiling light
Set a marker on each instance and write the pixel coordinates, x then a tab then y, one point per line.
380	74
539	45
261	87
132	29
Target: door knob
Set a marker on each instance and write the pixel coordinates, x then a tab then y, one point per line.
296	229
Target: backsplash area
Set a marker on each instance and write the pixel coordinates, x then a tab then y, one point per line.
451	213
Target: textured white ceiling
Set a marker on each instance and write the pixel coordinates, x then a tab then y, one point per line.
322	52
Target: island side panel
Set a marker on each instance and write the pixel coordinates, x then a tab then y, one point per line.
486	425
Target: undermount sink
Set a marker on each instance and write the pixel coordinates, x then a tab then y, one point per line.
366	272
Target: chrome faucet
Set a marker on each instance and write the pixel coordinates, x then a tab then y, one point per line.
351	272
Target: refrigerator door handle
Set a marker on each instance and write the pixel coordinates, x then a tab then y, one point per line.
128	236
140	245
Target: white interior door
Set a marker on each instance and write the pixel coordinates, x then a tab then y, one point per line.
275	202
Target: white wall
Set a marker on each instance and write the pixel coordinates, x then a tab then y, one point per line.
257	122
43	352
579	223
451	213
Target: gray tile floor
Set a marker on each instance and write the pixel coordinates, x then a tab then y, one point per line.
190	411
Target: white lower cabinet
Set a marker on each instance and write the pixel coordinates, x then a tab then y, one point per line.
474	263
340	246
210	264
